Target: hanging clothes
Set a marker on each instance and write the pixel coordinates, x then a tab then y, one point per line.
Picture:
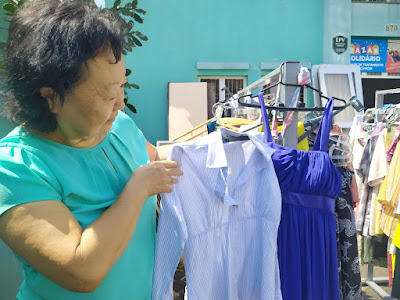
310	183
392	194
378	169
388	196
358	139
392	158
393	145
371	168
349	264
363	213
224	215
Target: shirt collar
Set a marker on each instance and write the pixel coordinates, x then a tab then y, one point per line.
216	157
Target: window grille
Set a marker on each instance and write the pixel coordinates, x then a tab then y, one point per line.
234	84
213	81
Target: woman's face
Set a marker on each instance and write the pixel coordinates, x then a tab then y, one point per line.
91	107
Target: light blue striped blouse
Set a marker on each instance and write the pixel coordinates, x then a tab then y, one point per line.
224	215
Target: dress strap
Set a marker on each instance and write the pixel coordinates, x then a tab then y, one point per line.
264	116
322	139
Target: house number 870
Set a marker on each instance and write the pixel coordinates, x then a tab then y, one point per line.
391	27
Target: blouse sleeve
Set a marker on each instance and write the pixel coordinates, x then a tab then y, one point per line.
25	178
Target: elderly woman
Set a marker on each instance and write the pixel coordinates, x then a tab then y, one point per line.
78	180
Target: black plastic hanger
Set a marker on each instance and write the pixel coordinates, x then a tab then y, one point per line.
358	106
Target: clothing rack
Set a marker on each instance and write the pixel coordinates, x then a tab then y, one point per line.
370	280
379	100
286	72
285	78
313	124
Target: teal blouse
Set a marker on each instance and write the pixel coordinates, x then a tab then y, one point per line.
33	168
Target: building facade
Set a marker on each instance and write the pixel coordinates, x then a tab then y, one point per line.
235	43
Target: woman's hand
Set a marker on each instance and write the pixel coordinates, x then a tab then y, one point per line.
157	177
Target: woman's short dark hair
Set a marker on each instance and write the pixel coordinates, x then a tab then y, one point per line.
49	42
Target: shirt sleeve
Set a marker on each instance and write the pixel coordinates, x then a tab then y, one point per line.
25	178
171	236
170	241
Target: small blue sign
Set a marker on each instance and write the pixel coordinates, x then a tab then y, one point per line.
370	55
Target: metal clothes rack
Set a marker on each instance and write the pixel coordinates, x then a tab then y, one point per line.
286	72
379	100
285	78
370	280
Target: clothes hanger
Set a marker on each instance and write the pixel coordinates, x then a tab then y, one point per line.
313	124
283	108
339	148
229	123
218	121
393	117
339	151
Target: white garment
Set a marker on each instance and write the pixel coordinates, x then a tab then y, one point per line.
377	173
224	215
354	130
358	150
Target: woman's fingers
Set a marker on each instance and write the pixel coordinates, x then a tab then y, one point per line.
173	180
158	176
174	172
169	164
172	167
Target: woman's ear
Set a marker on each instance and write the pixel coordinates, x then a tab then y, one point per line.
50	96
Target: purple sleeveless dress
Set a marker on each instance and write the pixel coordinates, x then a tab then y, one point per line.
309	183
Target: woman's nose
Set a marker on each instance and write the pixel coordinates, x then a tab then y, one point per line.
120	103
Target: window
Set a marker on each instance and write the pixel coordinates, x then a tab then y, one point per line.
216	83
341	81
234	85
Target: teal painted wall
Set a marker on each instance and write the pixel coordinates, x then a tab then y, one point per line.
182	33
337	22
5	125
370	19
